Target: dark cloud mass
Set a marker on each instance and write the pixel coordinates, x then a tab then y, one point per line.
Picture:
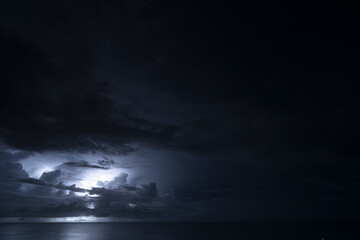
179	110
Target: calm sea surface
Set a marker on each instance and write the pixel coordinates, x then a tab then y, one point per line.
244	231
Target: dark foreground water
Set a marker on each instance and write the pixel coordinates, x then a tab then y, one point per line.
147	231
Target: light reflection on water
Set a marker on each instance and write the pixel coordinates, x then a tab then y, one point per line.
81	232
75	231
72	231
177	231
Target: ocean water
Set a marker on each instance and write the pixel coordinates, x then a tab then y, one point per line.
186	231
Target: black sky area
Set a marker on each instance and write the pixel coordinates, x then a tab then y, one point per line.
209	110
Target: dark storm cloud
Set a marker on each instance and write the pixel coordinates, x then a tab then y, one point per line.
118	181
79	115
54	102
84	164
119	201
11	170
48	196
9	167
67	115
45	183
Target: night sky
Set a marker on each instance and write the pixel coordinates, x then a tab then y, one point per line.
179	110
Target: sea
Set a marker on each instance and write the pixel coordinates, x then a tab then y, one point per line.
186	231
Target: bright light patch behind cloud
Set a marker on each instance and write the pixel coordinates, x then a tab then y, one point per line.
35	165
89	178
